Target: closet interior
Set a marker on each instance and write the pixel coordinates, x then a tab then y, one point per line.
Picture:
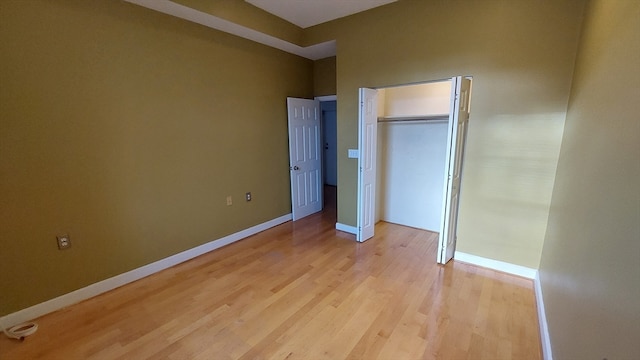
411	153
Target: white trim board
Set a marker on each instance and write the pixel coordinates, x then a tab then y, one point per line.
327	98
542	320
103	286
506	267
347	228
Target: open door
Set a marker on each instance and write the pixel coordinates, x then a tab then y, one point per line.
367	138
305	161
457	133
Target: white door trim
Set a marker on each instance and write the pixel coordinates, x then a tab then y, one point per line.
327	98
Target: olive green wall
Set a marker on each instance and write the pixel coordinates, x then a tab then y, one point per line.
590	266
521	56
324	76
127	129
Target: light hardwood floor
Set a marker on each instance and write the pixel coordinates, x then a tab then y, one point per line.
302	291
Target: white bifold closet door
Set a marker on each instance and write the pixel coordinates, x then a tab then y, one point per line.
367	137
457	134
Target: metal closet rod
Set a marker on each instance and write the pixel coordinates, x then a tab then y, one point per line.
442	117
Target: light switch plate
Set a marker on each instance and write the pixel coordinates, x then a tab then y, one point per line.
353	153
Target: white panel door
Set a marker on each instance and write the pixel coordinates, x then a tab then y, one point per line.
305	161
367	138
457	133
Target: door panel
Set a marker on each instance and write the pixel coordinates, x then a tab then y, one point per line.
456	138
304	157
367	163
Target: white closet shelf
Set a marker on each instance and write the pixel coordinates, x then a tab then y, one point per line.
439	117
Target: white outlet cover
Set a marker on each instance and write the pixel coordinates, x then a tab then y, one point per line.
353	153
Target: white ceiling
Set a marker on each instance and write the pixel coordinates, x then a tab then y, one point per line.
306	13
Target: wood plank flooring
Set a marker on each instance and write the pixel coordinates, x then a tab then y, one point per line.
302	291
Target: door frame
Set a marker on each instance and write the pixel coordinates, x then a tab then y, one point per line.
322	99
319	148
360	152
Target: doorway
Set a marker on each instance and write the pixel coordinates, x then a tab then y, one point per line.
411	142
312	153
330	142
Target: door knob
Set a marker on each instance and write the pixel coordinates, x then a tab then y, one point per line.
296	167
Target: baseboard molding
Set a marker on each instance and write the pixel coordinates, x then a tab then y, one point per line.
103	286
347	228
542	320
506	267
526	273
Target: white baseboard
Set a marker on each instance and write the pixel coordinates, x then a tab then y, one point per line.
133	275
506	267
542	320
524	272
347	228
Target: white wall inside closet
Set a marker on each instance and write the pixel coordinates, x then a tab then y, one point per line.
411	155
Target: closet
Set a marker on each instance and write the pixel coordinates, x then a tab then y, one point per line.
411	153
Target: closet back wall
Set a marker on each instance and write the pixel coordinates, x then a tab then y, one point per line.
411	155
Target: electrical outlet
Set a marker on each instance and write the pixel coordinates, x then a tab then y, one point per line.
248	196
64	242
229	201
